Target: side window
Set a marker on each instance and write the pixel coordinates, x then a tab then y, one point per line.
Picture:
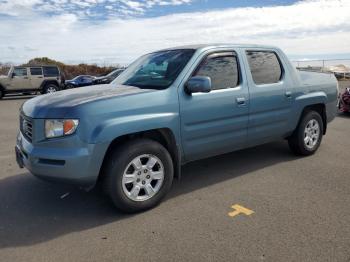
20	71
222	70
264	66
36	71
50	71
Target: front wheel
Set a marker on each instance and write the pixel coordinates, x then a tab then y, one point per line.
50	88
308	136
69	86
138	175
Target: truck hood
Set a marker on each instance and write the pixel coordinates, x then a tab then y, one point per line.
56	105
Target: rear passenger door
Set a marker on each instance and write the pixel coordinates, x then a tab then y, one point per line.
270	96
215	122
86	80
36	77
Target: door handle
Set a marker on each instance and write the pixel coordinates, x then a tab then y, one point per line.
240	101
288	94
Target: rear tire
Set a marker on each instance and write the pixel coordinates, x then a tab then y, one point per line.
50	88
307	137
1	93
138	175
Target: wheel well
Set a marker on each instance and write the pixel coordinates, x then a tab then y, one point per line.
321	109
45	83
164	136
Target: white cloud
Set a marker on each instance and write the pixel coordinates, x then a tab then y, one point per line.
307	27
84	8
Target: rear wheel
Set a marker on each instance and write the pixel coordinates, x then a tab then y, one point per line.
50	88
308	136
1	93
138	175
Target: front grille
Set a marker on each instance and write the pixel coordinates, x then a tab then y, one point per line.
26	127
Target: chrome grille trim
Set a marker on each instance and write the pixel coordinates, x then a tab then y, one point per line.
26	127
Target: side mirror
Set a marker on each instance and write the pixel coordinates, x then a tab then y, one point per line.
198	84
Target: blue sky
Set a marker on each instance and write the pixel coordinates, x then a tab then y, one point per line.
209	5
117	31
103	9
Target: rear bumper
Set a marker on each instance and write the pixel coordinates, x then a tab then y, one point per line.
79	166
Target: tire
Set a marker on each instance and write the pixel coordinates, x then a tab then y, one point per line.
307	138
119	169
1	93
70	87
50	88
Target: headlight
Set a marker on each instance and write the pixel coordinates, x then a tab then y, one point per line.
58	128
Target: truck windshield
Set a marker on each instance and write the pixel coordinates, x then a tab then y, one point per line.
156	70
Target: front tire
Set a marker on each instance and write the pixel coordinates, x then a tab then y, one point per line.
50	88
307	138
138	175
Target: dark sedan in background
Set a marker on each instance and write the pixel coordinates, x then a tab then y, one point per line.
108	78
344	101
79	81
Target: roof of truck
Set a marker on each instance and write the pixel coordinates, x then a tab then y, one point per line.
202	46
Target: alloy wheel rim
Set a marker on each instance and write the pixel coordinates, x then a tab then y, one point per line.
311	134
143	177
51	89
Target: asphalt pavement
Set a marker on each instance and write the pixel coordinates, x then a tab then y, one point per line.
285	208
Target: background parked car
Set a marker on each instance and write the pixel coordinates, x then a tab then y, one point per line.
79	81
344	101
108	78
29	79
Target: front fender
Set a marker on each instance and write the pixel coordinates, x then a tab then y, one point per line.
110	129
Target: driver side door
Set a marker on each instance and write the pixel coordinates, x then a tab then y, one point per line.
20	79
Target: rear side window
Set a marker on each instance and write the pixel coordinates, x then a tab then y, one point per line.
36	71
20	71
222	70
264	66
50	71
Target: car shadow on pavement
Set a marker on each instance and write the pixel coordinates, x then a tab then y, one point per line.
33	211
217	169
345	115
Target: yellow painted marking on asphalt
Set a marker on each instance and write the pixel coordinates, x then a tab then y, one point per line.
240	210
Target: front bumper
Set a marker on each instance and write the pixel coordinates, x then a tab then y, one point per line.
74	165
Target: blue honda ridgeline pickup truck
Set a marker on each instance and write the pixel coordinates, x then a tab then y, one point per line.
168	108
